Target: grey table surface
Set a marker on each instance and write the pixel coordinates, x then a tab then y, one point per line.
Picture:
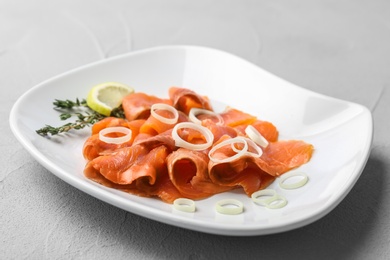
337	48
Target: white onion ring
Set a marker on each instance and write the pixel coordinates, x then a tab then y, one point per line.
221	207
179	142
196	111
115	140
269	198
255	135
277	202
295	185
162	106
258	153
264	197
185	205
232	141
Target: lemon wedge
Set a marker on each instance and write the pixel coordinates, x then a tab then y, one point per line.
103	98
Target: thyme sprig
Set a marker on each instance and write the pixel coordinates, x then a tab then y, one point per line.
84	117
69	104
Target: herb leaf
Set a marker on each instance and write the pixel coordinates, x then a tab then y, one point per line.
68	104
84	118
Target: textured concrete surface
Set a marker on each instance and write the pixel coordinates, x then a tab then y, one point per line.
338	48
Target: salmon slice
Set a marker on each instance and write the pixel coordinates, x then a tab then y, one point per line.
152	141
153	126
266	129
93	146
116	166
219	130
254	173
163	187
137	105
234	117
188	171
135	170
191	135
95	176
152	176
184	99
285	155
108	122
130	163
241	172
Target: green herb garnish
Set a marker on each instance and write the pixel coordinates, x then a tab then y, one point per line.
84	116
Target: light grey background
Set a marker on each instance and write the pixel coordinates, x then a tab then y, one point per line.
338	48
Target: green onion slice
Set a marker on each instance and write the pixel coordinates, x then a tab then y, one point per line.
301	176
229	207
115	140
185	205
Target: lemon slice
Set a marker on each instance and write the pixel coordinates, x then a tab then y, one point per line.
103	98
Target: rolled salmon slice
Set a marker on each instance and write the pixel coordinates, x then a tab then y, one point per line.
184	99
153	126
240	172
116	167
138	105
135	170
188	171
93	146
254	173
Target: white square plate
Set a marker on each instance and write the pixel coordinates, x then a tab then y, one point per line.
340	131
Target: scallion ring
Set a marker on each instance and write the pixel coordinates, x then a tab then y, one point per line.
277	202
115	140
264	197
197	111
185	205
255	135
303	179
229	206
239	153
162	106
179	142
252	144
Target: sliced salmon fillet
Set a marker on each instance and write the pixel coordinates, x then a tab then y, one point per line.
234	117
115	166
135	170
153	126
108	122
152	176
254	173
138	104
265	128
162	188
130	163
152	141
93	146
241	172
95	176
219	130
184	99
284	155
188	171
